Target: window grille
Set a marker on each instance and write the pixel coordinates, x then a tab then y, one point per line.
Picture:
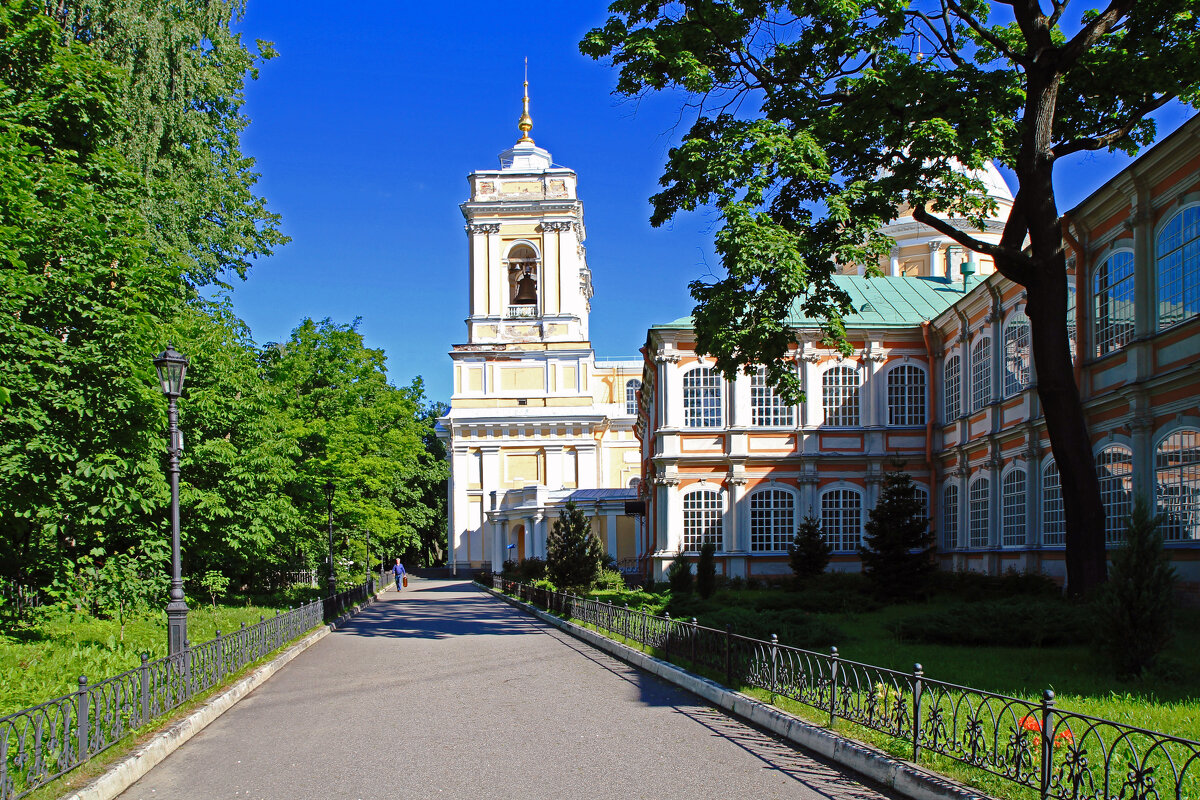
1177	475
766	407
702	398
701	520
1017	354
772	520
981	374
1054	519
839	394
922	495
1112	293
906	395
1178	255
952	388
1013	489
977	512
631	390
950	517
841	519
1114	467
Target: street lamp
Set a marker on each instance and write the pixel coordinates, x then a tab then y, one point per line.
171	367
329	502
367	567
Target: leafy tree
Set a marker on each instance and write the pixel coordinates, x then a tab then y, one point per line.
1135	612
809	552
215	584
573	553
897	550
817	121
706	570
680	577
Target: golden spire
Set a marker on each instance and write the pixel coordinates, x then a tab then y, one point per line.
525	123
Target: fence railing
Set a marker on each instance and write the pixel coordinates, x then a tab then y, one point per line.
42	743
1055	752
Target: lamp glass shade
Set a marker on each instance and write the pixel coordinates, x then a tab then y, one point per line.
171	367
329	491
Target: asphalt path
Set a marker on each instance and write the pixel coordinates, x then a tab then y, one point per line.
441	691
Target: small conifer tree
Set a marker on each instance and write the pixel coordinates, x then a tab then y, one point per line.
573	554
679	576
897	550
706	570
809	552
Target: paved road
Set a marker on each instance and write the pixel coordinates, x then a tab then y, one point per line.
442	691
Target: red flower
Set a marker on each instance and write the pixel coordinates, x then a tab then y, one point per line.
1064	737
1030	723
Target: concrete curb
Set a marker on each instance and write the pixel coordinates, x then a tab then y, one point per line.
904	777
124	773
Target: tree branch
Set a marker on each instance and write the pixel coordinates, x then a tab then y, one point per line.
1115	135
1014	261
1102	24
983	33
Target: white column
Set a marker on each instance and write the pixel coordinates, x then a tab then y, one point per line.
479	271
894	263
586	478
740	405
527	524
554	471
674	521
813	413
673	394
552	270
737	535
497	277
610	524
540	530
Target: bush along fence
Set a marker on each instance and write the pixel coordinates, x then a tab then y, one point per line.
1050	751
45	742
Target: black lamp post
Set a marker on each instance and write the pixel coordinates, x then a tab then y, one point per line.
171	367
332	574
367	569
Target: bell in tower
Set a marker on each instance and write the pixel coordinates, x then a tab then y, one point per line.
526	294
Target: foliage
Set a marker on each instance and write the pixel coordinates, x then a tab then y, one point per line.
809	553
215	584
817	123
528	570
679	576
1135	612
610	579
573	553
1012	622
897	549
706	570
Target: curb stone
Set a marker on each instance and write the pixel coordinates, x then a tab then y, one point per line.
903	777
125	772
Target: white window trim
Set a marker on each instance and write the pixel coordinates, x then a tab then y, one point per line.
862	511
887	387
762	489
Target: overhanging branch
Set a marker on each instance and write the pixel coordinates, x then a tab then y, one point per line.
1012	263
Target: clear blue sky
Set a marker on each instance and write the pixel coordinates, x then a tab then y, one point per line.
365	128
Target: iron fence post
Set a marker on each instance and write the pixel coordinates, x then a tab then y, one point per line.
144	685
220	648
695	635
918	675
625	622
774	663
1047	765
82	713
728	655
667	639
188	677
833	679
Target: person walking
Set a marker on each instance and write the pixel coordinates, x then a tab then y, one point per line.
401	575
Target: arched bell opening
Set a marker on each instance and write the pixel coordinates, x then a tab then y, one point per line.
522	276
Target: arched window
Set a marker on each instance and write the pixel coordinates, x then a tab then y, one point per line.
1017	355
1054	519
952	388
1177	477
1114	467
631	390
772	520
841	519
1112	294
981	373
702	398
766	407
949	517
1013	504
839	395
978	495
701	519
1178	256
906	395
522	281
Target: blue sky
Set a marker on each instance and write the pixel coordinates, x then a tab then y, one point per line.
365	128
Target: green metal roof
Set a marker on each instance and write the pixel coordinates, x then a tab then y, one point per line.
881	302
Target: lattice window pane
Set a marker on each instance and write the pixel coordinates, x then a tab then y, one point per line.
950	517
1177	475
701	520
702	398
906	395
766	407
839	394
1014	504
1017	354
1179	268
631	390
1054	519
1112	292
1114	466
977	512
772	520
952	388
841	519
981	374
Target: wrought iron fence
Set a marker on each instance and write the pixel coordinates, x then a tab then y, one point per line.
42	743
1055	752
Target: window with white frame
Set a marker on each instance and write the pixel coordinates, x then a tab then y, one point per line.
1177	479
702	398
1072	331
1112	296
1114	467
772	520
1054	518
839	396
631	390
981	373
949	517
766	407
841	519
1178	257
906	395
978	496
952	388
1017	355
1012	489
922	496
701	519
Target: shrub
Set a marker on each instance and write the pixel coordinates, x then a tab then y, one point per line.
215	584
809	553
573	554
610	579
1135	610
679	576
897	549
974	586
1010	622
706	570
